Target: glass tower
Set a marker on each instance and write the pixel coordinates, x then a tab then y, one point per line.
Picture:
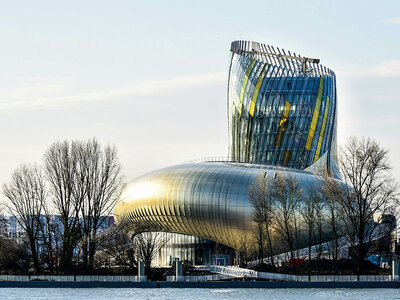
281	108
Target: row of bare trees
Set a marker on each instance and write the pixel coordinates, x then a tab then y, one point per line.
79	183
288	216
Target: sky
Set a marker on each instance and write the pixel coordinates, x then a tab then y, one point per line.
151	77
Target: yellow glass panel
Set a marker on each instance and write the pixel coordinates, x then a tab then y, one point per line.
315	114
244	84
286	157
281	128
285	113
286	109
257	89
322	132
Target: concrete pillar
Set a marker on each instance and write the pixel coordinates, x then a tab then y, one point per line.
178	267
141	275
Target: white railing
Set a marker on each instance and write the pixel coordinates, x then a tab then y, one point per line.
103	278
247	273
80	278
199	278
234	272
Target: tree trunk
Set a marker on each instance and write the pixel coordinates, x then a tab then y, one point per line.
35	258
309	245
260	249
271	252
67	252
85	255
92	252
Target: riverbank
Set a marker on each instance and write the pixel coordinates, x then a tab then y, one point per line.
217	285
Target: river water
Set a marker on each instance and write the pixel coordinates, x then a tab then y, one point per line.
188	294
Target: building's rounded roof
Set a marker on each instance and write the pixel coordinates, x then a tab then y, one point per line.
209	199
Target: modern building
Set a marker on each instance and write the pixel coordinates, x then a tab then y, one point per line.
282	112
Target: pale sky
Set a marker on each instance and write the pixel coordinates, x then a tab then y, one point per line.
151	76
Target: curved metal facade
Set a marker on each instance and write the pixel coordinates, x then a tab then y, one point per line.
208	200
281	108
282	116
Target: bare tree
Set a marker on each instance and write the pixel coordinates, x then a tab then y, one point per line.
297	230
308	213
100	185
370	189
334	221
147	245
258	223
244	246
260	198
117	249
26	193
61	161
320	220
287	195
